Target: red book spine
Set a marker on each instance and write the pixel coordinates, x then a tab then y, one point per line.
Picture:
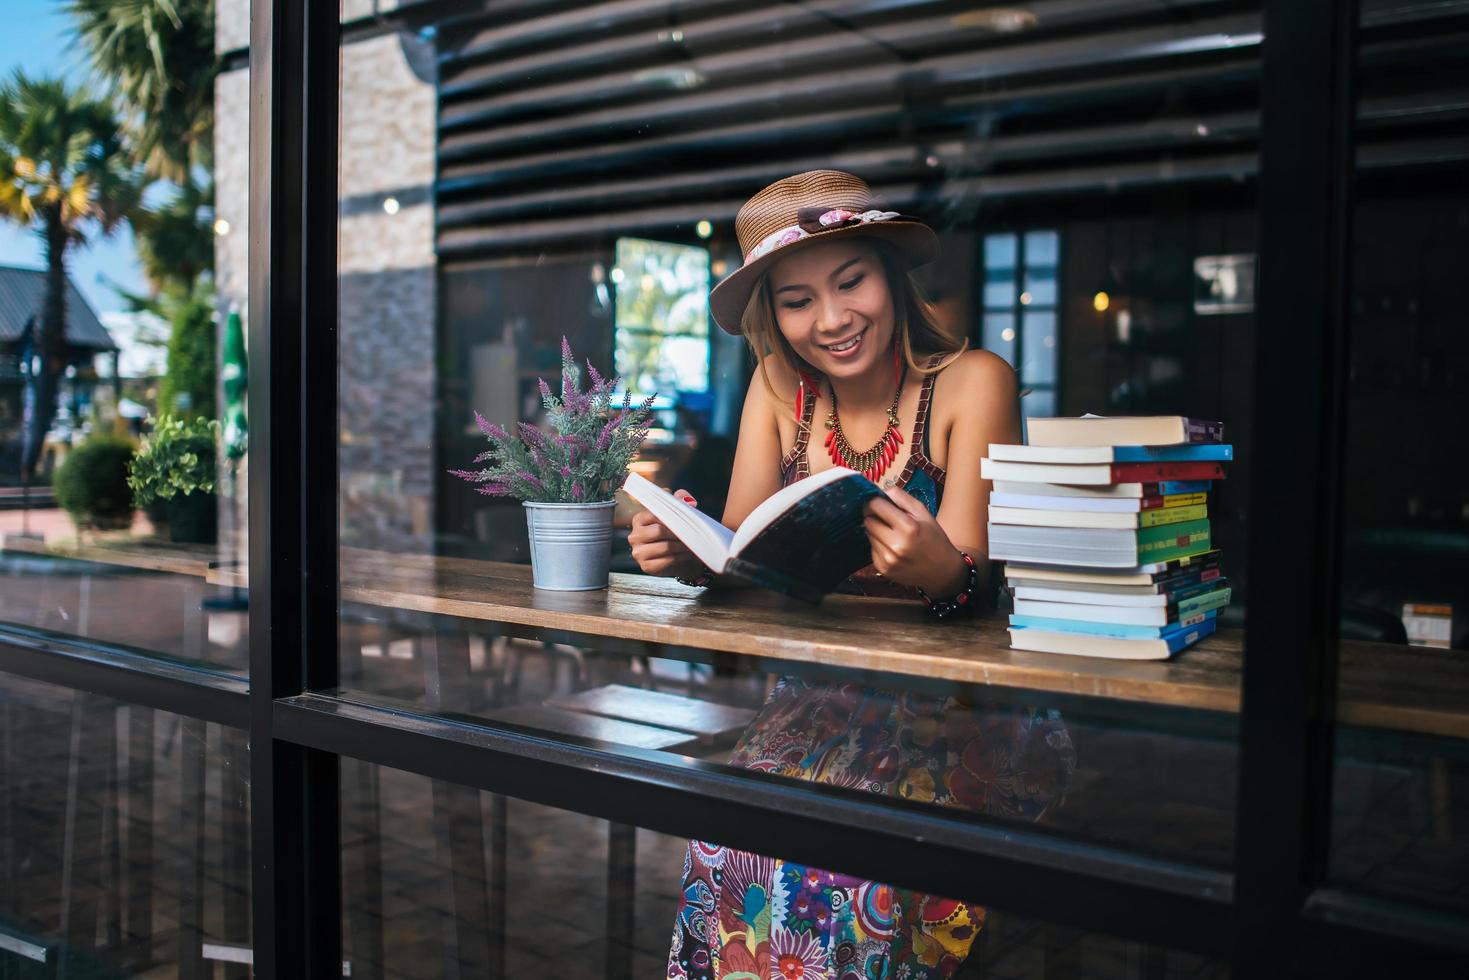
1154	472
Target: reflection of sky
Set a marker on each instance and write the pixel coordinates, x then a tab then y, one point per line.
36	39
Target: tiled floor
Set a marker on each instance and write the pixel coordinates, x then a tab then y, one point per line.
82	856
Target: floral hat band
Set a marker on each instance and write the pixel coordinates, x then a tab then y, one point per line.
818	205
813	221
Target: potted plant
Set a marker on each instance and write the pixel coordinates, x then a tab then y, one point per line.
567	477
91	483
175	464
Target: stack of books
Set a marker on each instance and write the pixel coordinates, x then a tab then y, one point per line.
1103	525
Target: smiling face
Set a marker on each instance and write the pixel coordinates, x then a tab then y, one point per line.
833	306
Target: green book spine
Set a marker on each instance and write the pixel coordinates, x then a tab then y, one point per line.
1217	599
1172	541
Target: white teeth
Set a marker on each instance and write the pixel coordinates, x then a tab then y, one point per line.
845	345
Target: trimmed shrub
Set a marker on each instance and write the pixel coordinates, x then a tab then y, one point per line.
91	484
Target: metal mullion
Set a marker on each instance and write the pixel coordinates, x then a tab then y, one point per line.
295	834
1289	685
1021	869
1348	934
126	675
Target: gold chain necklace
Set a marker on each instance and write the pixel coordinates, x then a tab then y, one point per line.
875	461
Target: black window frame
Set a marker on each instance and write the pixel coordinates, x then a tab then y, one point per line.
1274	914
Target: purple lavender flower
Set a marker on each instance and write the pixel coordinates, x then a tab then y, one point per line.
588	434
489	428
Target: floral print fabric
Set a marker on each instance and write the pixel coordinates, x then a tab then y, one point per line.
747	917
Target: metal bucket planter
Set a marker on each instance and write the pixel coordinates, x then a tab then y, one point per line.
570	545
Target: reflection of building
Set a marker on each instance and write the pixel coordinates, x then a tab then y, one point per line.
22	296
386	261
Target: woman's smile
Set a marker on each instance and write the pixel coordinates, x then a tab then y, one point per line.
848	347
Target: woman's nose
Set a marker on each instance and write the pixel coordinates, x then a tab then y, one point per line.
832	314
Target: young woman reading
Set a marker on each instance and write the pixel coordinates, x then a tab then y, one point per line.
853	371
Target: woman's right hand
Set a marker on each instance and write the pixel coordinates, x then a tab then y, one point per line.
657	551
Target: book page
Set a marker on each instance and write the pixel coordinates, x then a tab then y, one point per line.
781	501
708	539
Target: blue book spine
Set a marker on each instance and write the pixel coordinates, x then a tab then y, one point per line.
1220	452
1176	640
1185	486
1114	630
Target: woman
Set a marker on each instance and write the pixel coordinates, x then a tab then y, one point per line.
827	303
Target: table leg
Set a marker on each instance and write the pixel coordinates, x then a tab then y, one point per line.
138	928
621	867
235	833
458	821
93	733
192	756
361	804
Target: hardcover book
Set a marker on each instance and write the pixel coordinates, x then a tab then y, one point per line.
1153	574
1098	547
1100	505
1182	611
1115	630
804	541
1115	648
1116	490
1005	452
1122	430
1084	518
1099	474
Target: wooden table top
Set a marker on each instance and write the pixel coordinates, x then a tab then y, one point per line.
1408	688
144	554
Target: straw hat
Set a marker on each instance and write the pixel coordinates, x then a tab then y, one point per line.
815	206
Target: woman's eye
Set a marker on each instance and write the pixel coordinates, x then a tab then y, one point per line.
854	282
797	304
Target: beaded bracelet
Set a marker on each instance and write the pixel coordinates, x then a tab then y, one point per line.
964	601
699	582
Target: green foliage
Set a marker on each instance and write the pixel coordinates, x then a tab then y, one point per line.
175	240
177	458
187	388
63	165
92	483
583	460
159	56
64	172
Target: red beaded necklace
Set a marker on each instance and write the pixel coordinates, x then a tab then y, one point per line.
871	463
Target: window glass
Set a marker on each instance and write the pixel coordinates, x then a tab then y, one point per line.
662	324
124	376
1404	591
577	175
124	837
636	903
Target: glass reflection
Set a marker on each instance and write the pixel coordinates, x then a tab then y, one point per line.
124	838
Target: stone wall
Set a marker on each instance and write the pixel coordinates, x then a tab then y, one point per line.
387	273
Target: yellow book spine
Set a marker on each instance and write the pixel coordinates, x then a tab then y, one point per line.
1171	515
1184	500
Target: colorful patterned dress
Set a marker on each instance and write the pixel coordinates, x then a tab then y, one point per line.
744	916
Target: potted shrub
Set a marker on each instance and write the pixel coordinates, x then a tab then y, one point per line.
91	483
567	477
175	464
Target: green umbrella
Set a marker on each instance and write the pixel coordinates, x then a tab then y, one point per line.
233	374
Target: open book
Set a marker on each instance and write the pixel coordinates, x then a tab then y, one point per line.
804	541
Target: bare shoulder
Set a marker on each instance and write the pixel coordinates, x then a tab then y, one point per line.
759	396
979	371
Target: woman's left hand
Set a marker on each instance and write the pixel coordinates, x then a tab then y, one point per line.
909	546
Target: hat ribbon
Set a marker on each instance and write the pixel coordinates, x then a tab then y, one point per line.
811	221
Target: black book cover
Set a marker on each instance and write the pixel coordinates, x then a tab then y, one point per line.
815	546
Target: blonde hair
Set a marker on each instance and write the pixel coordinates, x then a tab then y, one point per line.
914	325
